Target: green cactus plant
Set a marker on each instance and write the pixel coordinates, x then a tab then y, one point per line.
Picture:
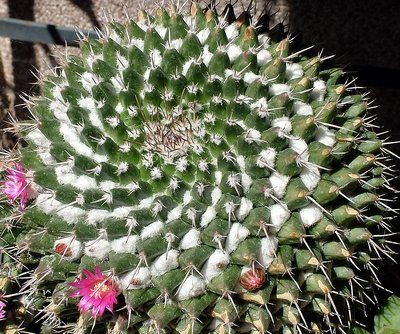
192	174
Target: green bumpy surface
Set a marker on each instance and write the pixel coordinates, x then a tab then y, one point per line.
179	153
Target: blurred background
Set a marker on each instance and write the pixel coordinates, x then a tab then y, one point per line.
363	34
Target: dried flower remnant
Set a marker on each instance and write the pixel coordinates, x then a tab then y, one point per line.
63	249
98	292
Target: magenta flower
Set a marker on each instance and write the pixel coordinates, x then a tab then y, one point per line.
2	310
16	186
98	292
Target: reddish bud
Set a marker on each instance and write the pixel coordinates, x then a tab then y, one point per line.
253	279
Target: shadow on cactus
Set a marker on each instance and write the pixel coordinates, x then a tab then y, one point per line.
191	174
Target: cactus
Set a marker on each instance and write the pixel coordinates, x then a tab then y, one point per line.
193	174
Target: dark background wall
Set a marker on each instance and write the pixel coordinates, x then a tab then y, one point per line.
362	33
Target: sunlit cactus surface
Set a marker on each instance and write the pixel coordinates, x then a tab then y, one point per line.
193	172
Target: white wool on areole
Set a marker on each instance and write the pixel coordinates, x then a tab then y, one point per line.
121	212
187	65
95	216
192	286
260	104
89	80
187	197
234	51
319	90
94	116
266	158
155	58
279	183
190	239
66	176
46	157
237	234
175	213
293	71
98	248
113	121
175	44
122	62
202	35
206	55
165	263
241	161
71	136
161	30
208	216
142	25
252	136
216	194
39	138
325	136
279	214
310	176
151	230
267	251
278	89
147	202
139	43
215	265
300	146
47	203
231	31
118	84
244	209
125	244
263	57
156	173
146	74
302	109
250	77
70	214
140	276
247	181
264	39
311	214
284	124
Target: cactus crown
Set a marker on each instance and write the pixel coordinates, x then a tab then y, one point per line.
191	174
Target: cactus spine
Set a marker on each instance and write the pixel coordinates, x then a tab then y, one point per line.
192	174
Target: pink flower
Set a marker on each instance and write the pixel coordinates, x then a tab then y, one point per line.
16	185
2	310
98	292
